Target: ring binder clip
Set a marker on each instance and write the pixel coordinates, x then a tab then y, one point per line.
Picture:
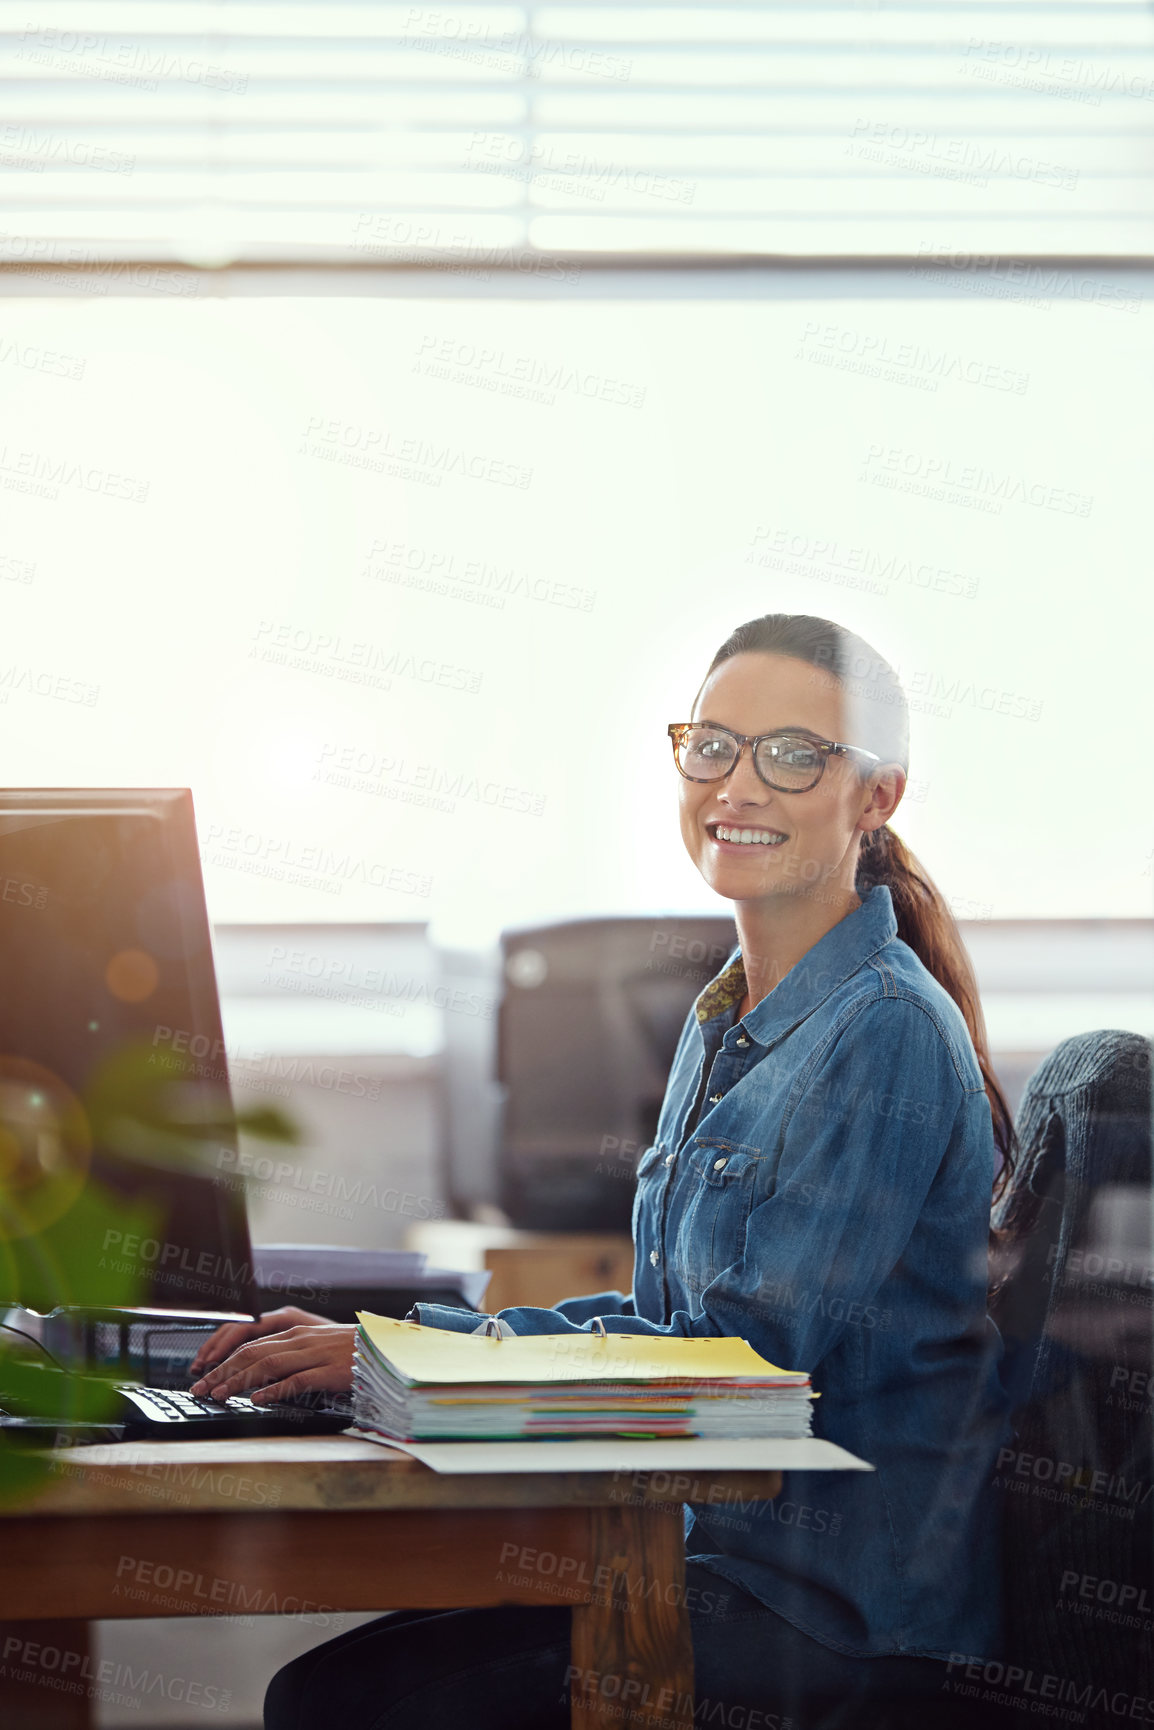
492	1323
600	1326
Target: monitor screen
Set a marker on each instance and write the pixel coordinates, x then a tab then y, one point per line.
117	1135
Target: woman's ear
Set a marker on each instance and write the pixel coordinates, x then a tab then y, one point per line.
885	795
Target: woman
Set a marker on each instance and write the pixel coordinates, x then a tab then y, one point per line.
820	1185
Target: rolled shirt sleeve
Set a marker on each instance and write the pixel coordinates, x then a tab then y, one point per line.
577	1310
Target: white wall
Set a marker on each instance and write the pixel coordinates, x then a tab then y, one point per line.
270	443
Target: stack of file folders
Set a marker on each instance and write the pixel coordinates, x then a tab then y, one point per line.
413	1384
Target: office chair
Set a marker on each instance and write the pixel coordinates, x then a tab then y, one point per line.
1072	1301
589	1020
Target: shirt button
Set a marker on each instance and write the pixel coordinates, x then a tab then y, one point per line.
717	1164
654	1258
716	1098
743	1041
669	1159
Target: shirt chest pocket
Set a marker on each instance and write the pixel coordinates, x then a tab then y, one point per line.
716	1190
651	1169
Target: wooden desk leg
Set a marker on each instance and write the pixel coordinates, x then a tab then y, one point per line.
631	1660
45	1676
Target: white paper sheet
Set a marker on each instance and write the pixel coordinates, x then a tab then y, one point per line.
806	1454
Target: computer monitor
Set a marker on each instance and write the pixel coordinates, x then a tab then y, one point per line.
589	1020
117	1133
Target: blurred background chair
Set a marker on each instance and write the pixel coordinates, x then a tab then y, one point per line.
589	1021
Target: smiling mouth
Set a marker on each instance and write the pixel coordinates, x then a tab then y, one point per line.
746	837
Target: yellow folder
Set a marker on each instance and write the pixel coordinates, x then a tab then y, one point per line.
421	1355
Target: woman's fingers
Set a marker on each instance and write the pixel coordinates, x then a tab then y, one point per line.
226	1339
241	1362
256	1372
218	1345
326	1349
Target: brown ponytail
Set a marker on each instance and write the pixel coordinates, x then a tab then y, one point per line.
927	925
878	718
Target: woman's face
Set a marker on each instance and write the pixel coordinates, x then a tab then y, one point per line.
804	843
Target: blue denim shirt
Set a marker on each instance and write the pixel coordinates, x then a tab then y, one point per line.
831	1206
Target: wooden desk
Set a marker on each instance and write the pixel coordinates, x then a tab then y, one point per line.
229	1527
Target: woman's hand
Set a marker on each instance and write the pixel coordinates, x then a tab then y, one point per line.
233	1334
314	1356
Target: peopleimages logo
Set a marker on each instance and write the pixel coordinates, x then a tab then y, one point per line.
236	1168
309	866
970	159
565	1576
1094	1589
440	572
33	1661
521	375
32	358
1015	1683
656	1707
1064	1480
903	362
85	271
919	471
546	164
855	567
131	1250
382	451
345	980
43	475
302	649
185	1589
120	60
789	1307
1021	280
195	1054
1079	77
367	771
472	38
26	147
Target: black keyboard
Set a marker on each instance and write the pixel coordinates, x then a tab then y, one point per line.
41	1403
168	1414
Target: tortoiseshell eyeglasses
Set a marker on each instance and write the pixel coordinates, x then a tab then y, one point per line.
789	762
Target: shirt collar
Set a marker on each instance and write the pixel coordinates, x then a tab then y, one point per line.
845	948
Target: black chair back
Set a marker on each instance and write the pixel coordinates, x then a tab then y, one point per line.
1074	1309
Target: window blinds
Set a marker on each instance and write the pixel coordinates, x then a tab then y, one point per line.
361	132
